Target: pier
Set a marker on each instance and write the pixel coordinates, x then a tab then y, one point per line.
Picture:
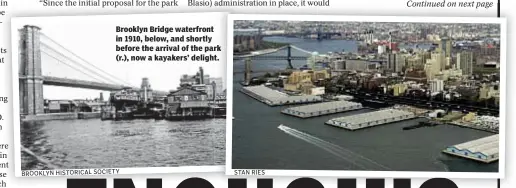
61	116
321	109
371	119
276	98
484	150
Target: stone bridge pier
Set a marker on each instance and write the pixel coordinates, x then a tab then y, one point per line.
30	74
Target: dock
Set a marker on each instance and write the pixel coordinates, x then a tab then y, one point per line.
371	119
484	149
276	98
321	109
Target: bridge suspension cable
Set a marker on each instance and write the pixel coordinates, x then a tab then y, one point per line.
44	49
85	61
302	50
68	65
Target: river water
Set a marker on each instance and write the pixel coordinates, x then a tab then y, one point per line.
92	143
259	142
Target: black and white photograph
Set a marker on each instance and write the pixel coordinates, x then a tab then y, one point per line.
88	101
366	96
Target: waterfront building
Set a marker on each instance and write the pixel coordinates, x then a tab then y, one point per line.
59	106
484	149
187	103
303	79
186	94
371	119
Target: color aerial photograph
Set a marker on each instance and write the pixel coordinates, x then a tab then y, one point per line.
366	96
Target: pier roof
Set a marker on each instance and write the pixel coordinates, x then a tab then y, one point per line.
373	116
266	92
487	145
323	106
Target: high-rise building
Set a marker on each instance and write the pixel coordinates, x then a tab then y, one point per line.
436	85
465	62
433	65
440	60
401	60
415	63
392	61
445	46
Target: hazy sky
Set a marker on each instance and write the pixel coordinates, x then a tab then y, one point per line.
93	39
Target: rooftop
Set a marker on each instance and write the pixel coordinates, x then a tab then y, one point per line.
487	145
373	116
323	106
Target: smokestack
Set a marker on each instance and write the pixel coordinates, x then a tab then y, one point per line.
201	75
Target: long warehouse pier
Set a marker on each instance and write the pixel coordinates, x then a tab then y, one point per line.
484	149
370	119
276	98
321	109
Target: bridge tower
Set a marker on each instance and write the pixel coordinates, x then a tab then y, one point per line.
319	32
29	72
289	57
247	74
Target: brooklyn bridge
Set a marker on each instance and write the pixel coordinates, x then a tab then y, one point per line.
33	45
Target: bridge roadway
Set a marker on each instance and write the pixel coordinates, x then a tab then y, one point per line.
261	71
66	82
276	57
422	102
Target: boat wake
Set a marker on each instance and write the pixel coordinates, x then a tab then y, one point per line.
347	155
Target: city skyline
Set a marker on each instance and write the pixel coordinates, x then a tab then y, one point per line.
374	93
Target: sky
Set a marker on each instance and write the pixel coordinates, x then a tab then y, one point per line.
93	39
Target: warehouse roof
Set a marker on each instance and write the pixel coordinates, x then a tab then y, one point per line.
323	106
487	145
373	116
277	96
266	92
